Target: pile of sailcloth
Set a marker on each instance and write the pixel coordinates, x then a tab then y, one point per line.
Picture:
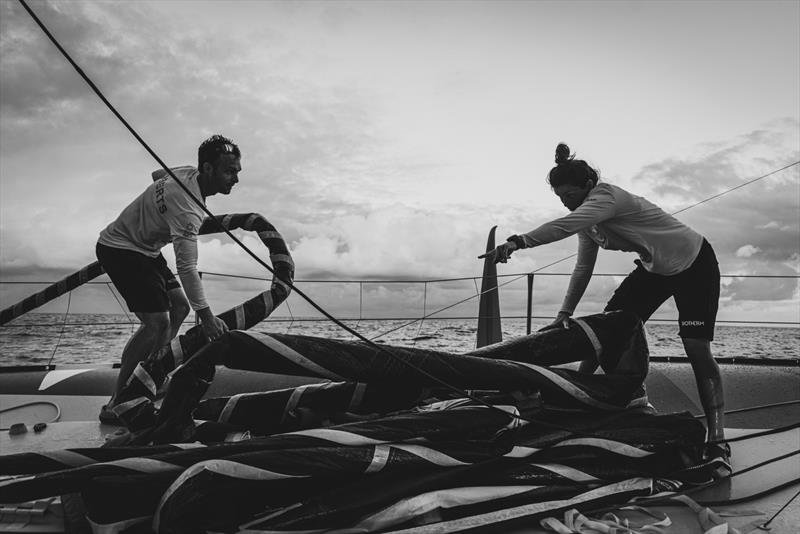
388	439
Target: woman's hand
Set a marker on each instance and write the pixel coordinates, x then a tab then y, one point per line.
561	321
501	253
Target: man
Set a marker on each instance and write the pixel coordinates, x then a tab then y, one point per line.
129	249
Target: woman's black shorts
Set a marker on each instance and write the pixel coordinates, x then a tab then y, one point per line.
696	293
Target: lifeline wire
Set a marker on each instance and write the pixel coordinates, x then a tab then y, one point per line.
155	156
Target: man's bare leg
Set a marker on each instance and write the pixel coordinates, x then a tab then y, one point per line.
152	335
178	311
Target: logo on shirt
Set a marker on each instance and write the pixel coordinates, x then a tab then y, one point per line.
598	236
161	204
190	230
692	323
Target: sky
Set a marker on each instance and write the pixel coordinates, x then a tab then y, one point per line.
385	138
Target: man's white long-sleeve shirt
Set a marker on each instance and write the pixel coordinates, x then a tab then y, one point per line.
614	219
163	214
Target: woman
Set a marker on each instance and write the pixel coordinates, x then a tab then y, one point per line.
674	261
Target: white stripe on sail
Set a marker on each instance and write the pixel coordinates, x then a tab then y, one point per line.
145	378
229	407
337	436
598	347
569	388
239	311
517	512
418	505
358	396
607	444
270	234
292	355
568	472
431	455
145	465
379	458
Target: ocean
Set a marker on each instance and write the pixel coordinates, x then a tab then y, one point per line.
38	338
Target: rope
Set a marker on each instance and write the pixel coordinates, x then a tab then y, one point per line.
18	406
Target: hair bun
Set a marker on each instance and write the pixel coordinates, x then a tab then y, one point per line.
562	154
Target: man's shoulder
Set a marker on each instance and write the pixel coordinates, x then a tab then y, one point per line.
181	197
183	173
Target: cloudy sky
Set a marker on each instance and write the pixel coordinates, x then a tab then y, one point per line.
384	138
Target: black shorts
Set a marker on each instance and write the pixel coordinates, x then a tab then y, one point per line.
142	281
696	293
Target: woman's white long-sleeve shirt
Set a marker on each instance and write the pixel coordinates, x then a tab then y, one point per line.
615	219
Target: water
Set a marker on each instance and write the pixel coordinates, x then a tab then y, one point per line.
99	338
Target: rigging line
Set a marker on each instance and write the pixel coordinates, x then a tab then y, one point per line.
453	305
753	408
291	315
109	285
765	526
316	306
765	462
768	432
61	333
735	188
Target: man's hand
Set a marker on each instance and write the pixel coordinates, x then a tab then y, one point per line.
213	327
501	253
561	321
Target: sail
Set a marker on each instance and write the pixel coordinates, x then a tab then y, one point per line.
489	330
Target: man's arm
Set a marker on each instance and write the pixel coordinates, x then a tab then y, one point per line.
186	263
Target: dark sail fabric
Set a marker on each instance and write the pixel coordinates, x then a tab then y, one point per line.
382	446
135	400
424	466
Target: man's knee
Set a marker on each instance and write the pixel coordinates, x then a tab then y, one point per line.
155	322
179	306
179	311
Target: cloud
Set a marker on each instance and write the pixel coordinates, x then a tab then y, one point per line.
718	166
773	225
747	251
779	284
318	162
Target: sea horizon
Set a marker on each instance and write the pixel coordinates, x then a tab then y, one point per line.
40	338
